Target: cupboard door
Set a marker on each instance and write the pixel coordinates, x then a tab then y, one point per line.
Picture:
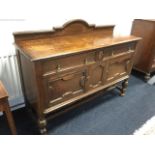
97	74
62	87
119	67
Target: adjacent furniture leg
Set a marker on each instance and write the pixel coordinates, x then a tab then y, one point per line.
42	125
124	87
4	107
147	76
10	118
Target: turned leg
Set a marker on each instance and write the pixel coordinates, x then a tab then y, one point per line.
124	87
42	125
10	119
147	76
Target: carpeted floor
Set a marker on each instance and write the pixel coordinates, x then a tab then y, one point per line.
108	114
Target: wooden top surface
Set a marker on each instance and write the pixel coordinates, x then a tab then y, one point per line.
3	92
77	36
44	48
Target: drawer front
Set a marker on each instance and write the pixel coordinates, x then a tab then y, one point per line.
64	63
62	87
75	61
120	49
119	67
67	63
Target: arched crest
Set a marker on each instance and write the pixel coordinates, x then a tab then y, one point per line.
74	27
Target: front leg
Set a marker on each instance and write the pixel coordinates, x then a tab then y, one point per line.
124	87
42	122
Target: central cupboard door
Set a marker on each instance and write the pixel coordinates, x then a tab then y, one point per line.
97	74
97	70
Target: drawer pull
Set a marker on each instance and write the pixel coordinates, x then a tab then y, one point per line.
101	55
58	68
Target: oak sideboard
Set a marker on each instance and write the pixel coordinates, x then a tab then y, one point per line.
71	63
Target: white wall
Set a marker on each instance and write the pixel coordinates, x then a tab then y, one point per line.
44	14
18	15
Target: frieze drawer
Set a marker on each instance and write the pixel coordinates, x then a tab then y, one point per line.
53	66
62	64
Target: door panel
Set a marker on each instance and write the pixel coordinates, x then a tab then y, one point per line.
119	67
60	88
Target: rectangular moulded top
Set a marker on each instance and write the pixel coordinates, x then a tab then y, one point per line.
74	37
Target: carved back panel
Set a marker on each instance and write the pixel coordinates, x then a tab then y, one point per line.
74	27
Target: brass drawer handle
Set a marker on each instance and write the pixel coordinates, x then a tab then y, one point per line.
58	67
101	55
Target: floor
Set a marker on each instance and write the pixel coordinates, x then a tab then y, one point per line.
108	114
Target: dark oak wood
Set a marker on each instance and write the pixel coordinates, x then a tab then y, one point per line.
71	63
145	50
4	107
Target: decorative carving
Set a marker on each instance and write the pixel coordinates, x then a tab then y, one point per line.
73	27
80	26
98	71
